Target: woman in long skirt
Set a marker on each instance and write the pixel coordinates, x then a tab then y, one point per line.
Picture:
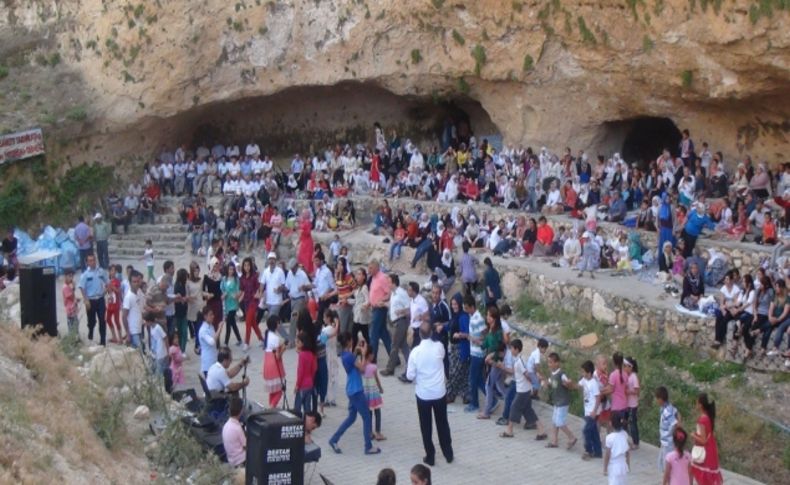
273	371
458	383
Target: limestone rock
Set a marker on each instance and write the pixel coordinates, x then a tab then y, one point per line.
10	310
141	413
600	311
512	285
117	366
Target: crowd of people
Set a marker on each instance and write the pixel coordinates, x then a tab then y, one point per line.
454	342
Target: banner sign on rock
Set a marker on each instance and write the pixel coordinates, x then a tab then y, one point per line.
24	144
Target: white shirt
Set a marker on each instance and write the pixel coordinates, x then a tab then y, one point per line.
217	377
295	282
520	375
590	390
730	296
252	150
131	302
399	300
158	342
272	341
324	282
208	346
426	369
418	307
533	361
272	281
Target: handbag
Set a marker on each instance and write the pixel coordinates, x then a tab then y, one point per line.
698	454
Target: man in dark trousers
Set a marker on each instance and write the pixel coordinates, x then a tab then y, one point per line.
426	370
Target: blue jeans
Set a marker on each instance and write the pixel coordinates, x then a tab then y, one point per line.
422	249
475	380
494	382
303	402
321	381
357	404
780	332
592	439
510	395
136	341
395	250
378	330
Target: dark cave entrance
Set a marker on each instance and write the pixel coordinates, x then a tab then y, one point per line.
642	139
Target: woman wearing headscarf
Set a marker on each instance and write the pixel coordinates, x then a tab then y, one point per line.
446	270
693	288
591	255
458	383
761	183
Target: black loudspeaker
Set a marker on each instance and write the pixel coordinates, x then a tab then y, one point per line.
275	448
38	299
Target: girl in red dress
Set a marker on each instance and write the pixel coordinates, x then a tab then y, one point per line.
706	472
305	255
375	172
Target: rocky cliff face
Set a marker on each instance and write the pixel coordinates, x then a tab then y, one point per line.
110	79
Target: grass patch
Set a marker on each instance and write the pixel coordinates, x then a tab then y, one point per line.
3	71
416	56
437	4
479	54
458	38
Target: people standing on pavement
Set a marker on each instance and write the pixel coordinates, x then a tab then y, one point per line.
439	317
273	371
380	289
101	234
231	293
212	293
400	306
458	383
297	283
354	363
477	357
270	291
249	284
426	370
361	311
84	240
194	302
93	283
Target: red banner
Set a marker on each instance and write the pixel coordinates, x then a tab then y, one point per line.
24	144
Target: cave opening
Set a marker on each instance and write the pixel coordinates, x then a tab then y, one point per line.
308	119
642	139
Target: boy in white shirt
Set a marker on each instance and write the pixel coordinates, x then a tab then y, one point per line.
158	347
591	390
522	404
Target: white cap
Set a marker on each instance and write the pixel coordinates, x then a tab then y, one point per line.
272	255
97	216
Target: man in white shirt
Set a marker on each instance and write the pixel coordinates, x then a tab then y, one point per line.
272	281
426	369
220	374
167	170
297	283
399	312
233	151
131	314
267	165
252	150
323	284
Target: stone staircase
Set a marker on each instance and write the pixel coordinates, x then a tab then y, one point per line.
169	237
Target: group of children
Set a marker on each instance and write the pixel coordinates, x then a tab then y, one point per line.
611	400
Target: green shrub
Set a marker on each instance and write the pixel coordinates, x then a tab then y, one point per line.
587	36
479	54
13	203
437	4
416	57
3	71
54	59
647	43
687	78
517	5
458	38
463	86
529	63
77	113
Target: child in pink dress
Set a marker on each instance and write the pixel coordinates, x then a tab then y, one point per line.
176	360
373	390
678	462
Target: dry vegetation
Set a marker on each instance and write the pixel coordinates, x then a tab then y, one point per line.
56	425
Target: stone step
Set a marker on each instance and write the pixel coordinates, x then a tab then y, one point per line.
156	228
140	245
135	254
153	236
171	218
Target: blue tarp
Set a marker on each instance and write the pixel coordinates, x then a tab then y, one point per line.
51	239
